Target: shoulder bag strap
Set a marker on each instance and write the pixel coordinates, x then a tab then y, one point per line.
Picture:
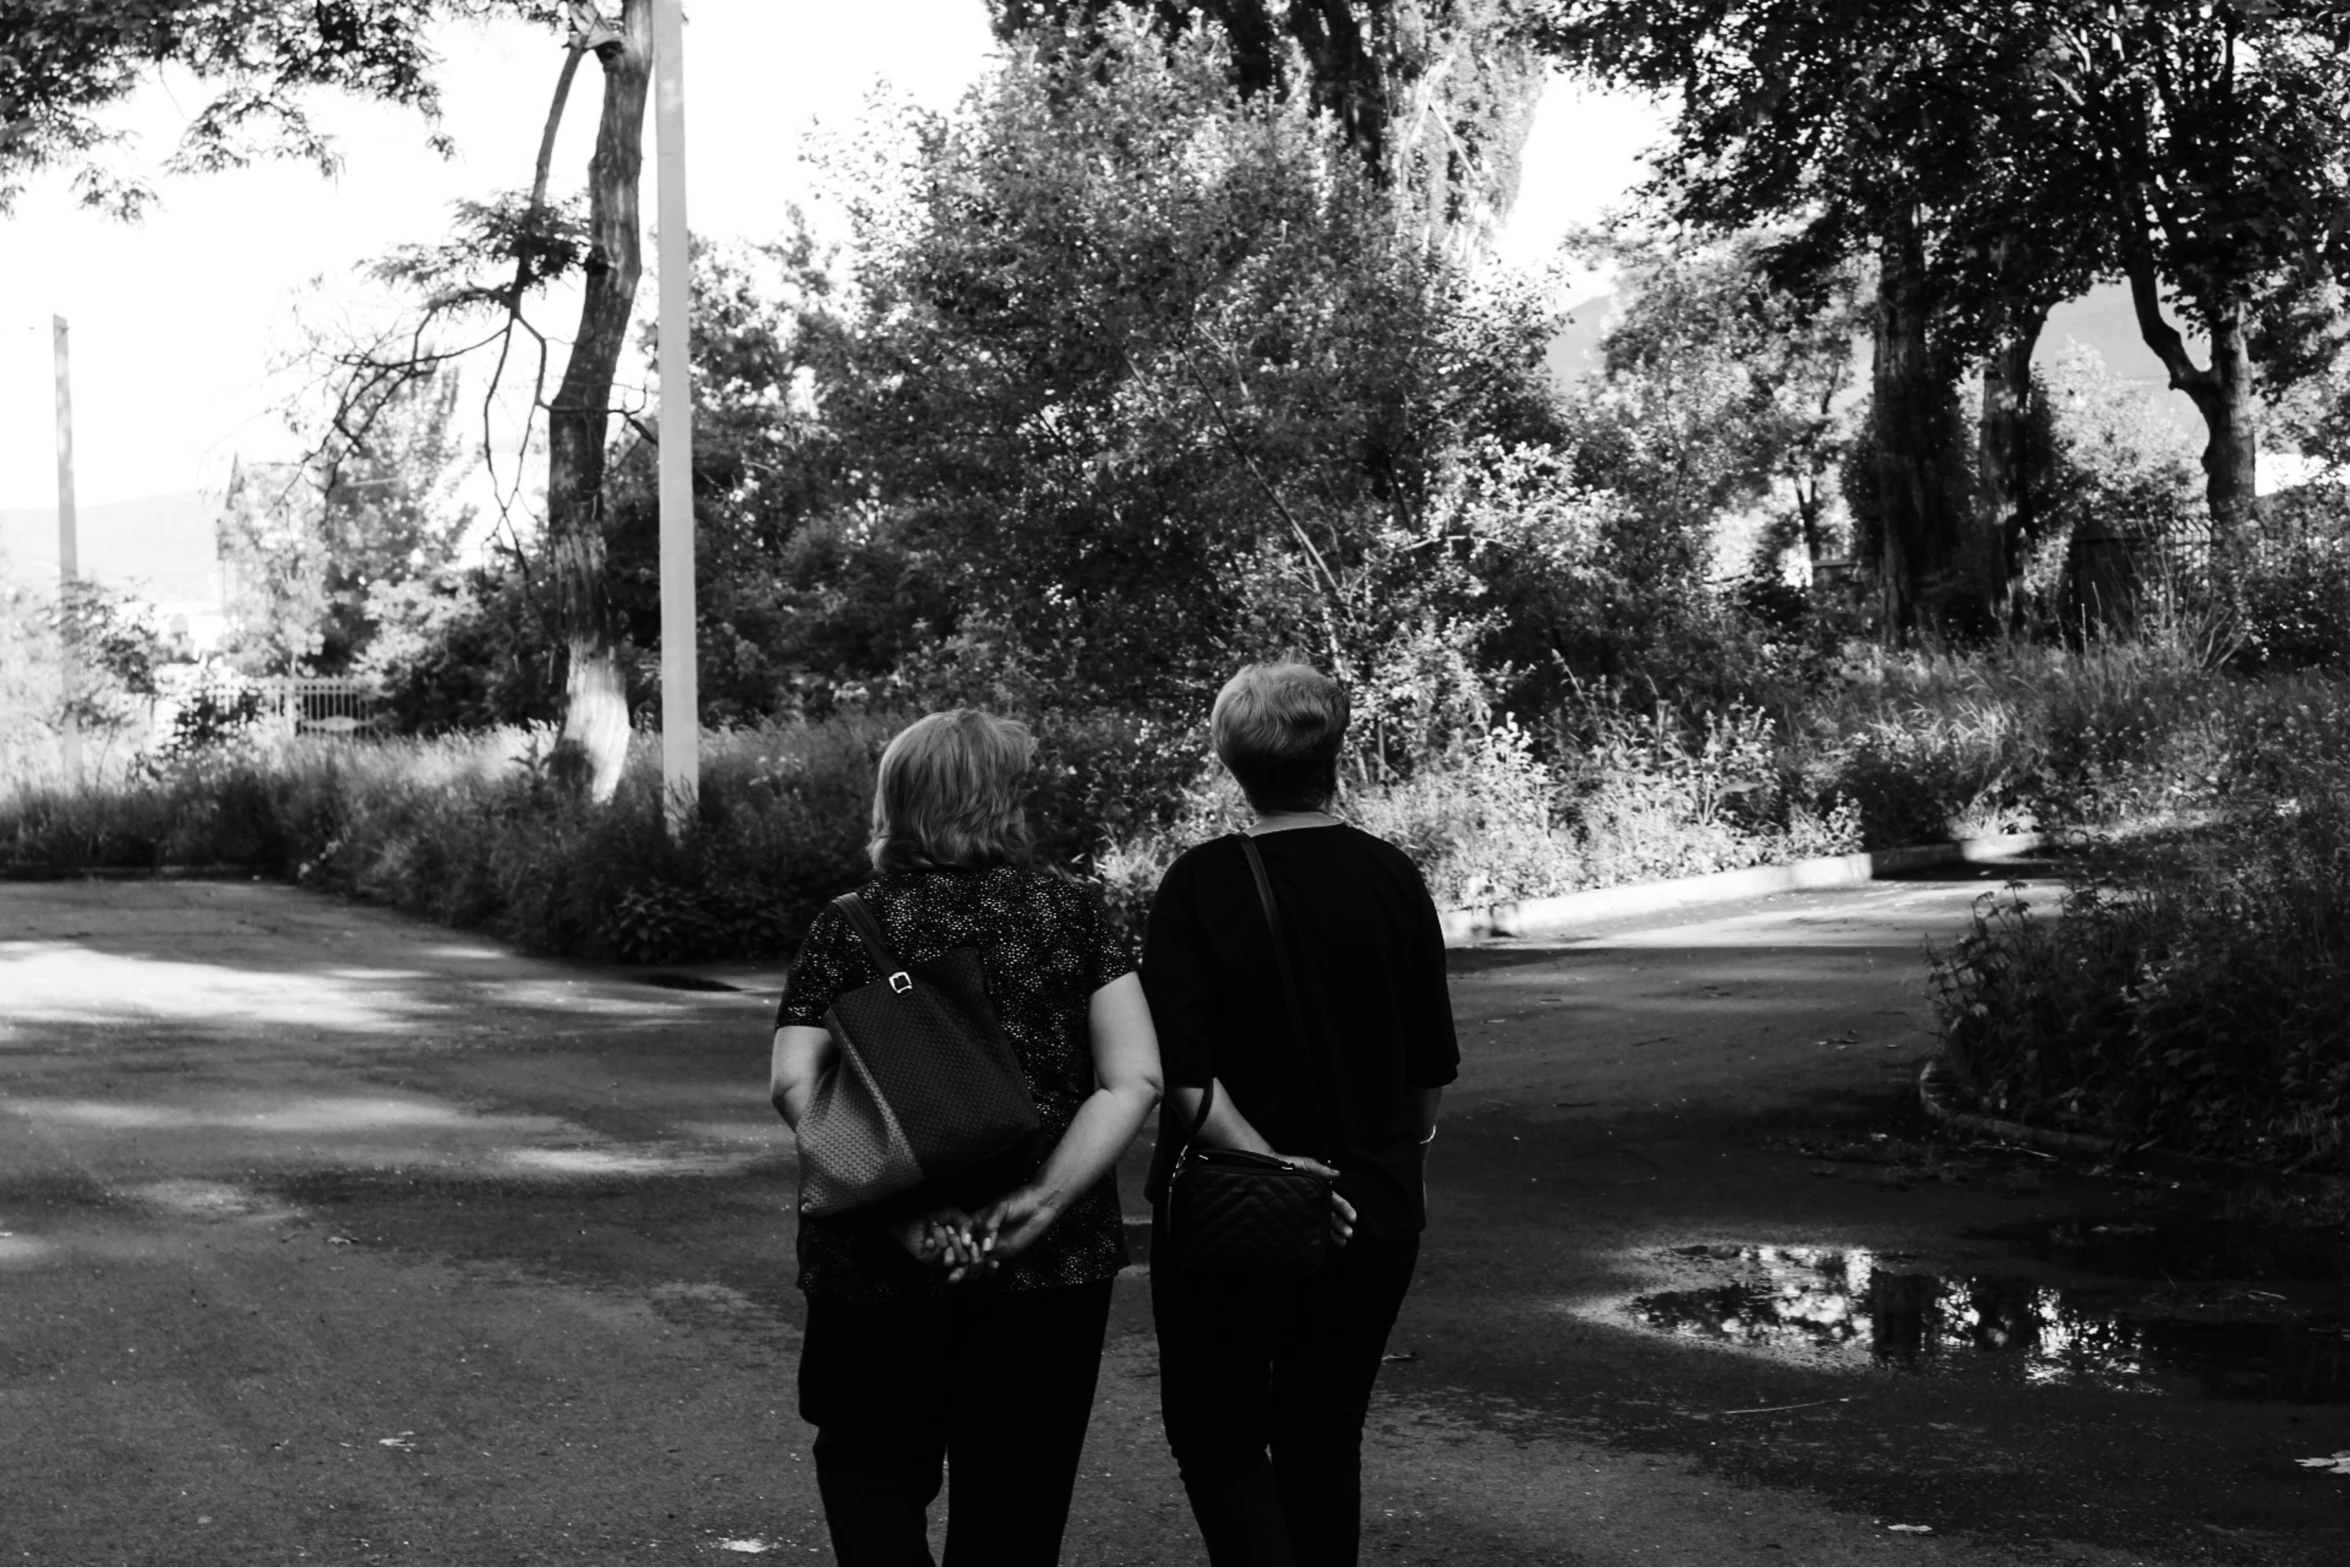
1300	1034
868	929
1199	1122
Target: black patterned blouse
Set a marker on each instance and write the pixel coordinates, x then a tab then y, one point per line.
1046	946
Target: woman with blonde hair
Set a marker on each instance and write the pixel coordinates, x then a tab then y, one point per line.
970	1337
1334	1066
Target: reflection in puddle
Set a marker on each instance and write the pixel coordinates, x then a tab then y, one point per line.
1863	1308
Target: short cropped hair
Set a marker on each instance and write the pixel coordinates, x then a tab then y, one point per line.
947	794
1279	728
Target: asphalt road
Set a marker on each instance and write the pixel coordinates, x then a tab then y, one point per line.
330	1237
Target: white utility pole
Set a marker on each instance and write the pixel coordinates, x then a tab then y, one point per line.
681	705
68	560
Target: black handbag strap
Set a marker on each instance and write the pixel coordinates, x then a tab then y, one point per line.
1300	1035
868	929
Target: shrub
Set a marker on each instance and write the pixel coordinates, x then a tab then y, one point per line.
2296	605
1486	819
2199	1004
1481	820
2137	734
1664	793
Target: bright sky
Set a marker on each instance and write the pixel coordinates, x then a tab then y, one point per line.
175	321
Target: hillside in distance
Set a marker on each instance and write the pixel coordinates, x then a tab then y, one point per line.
160	546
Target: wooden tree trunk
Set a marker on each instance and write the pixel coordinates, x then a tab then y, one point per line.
1915	532
2222	393
595	695
2007	509
2231	456
1811	506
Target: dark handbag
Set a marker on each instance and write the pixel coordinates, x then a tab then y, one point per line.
1249	1213
927	1105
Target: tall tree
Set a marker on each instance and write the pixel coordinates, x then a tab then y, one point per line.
1737	391
312	547
477	286
1435	96
579	418
66	63
1861	123
2002	156
1147	375
2219	137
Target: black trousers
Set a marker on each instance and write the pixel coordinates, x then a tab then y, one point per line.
997	1383
1264	1384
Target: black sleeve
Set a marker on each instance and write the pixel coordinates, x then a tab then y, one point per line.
1109	949
1177	978
829	963
1433	1051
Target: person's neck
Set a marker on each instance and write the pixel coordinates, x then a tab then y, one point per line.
1285	821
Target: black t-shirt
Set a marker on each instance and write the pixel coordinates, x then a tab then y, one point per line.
1368	953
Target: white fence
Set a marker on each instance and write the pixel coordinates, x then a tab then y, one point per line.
302	704
322	704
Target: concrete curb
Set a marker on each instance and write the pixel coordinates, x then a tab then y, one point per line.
1575	910
1940	1096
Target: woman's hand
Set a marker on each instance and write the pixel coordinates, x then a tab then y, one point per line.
1015	1221
946	1239
1342	1218
1342	1212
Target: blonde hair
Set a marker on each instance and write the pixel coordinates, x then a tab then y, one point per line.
1279	728
947	794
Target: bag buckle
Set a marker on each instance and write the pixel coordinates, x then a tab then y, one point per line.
901	982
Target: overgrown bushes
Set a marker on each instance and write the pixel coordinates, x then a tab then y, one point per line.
2195	998
2198	1003
474	830
479	831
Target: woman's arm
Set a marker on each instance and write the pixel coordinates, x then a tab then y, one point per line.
801	1055
1126	1079
1228	1128
1426	1102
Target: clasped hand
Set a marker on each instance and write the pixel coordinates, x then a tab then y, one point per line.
971	1246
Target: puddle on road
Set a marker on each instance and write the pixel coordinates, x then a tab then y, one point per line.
1864	1310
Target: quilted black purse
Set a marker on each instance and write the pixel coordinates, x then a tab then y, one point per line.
1249	1213
928	1103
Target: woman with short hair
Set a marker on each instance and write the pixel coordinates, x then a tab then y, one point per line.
1264	1382
970	1337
